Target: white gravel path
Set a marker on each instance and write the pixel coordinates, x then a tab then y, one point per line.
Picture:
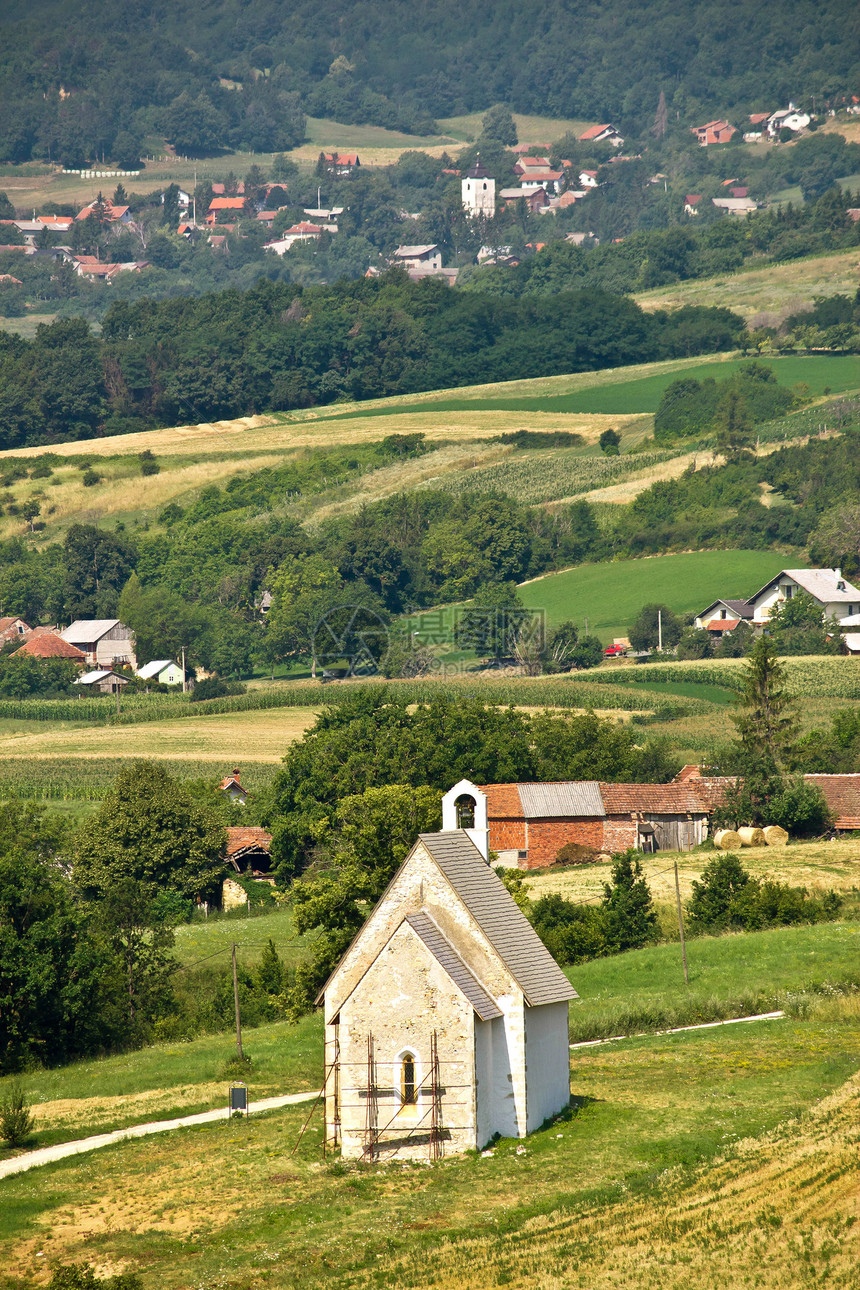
46	1155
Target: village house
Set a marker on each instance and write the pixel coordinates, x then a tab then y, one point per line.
602	134
447	1018
713	132
301	232
534	196
789	118
588	179
163	671
758	124
110	214
341	163
249	850
106	642
691	203
232	787
735	205
45	643
418	257
478	191
835	595
224	207
12	629
103	681
530	823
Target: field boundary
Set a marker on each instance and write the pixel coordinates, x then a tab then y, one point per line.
679	1030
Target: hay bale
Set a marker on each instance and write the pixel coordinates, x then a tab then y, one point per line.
775	836
726	840
751	837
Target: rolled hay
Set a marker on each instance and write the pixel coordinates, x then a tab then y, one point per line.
727	840
751	837
775	836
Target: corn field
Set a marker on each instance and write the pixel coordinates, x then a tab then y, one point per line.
549	475
89	779
826	677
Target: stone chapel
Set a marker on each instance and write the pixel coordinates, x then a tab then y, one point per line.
446	1021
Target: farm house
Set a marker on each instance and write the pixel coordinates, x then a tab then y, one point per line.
447	1019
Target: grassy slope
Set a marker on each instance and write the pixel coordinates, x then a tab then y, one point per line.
769	289
610	595
664	1134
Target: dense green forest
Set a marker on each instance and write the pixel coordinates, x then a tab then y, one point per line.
225	75
278	346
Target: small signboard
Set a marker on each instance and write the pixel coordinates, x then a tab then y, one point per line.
238	1099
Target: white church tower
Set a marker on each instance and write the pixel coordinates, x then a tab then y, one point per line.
479	191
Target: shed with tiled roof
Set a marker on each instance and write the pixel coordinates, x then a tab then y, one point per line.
50	645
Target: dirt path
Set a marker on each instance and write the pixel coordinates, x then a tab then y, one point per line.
47	1155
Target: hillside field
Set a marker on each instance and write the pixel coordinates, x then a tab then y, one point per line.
611	595
749	1127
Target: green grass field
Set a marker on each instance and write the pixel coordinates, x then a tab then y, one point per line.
611	595
680	1158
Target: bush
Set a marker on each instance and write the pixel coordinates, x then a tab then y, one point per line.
16	1122
215	688
148	464
80	1276
90	478
572	933
727	896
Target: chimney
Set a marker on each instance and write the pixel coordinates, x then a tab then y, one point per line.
236	772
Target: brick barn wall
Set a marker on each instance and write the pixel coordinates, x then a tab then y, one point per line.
545	837
619	833
507	835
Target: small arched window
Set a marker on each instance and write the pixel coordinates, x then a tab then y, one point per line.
465	812
485	187
407	1081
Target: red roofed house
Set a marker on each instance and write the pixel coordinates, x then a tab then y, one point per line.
602	134
691	203
588	179
713	132
12	628
530	823
341	163
47	644
233	788
219	205
301	232
112	214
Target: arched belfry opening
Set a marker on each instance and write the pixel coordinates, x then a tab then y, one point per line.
465	807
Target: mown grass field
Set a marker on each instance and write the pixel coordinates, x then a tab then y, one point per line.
726	1153
772	289
611	595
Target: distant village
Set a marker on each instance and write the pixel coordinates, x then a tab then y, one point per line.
543	188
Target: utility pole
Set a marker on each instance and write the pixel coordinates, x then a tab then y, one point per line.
660	630
680	926
184	687
236	1007
116	692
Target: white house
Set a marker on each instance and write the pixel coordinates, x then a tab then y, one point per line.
163	670
446	1019
789	118
723	616
588	179
836	596
478	190
106	642
301	232
418	257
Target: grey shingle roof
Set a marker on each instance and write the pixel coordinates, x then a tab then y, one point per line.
503	923
88	629
565	799
445	954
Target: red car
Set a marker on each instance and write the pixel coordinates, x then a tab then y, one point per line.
614	651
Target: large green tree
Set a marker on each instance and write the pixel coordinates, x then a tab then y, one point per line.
149	829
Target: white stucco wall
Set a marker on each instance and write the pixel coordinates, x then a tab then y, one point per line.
547	1062
371	997
402	998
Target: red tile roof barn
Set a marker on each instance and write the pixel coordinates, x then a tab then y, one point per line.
662	799
842	795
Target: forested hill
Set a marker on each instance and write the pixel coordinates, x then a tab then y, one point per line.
279	346
241	72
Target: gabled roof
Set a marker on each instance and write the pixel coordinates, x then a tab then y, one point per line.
567	799
820	583
90	678
502	922
740	608
10	622
842	795
413	252
48	645
594	131
89	629
448	958
149	670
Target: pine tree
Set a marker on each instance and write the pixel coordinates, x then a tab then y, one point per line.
766	722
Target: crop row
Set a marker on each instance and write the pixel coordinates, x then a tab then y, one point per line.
828	677
88	779
549	475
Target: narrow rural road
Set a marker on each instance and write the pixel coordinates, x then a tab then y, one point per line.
46	1155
